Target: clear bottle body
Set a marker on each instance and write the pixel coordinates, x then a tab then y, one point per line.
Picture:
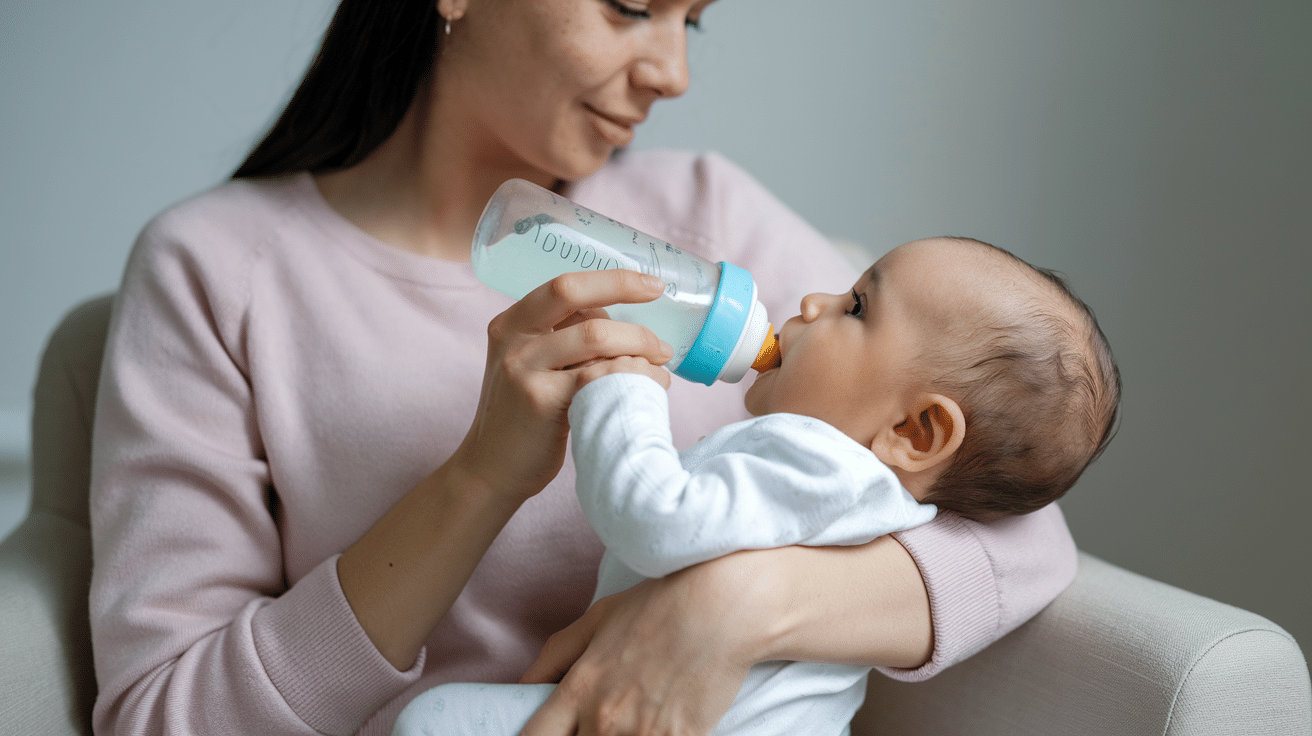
529	235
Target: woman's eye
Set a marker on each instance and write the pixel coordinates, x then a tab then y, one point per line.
628	12
857	310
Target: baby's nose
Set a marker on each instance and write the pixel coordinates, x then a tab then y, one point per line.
811	307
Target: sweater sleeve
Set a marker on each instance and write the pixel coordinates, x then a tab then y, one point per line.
195	629
984	580
768	482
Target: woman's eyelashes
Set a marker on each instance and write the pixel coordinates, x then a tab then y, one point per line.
627	11
643	13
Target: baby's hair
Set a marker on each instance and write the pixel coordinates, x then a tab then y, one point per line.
1041	394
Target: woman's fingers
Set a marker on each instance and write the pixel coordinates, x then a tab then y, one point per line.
540	351
654	663
542	309
557	325
598	339
564	647
552	721
581	316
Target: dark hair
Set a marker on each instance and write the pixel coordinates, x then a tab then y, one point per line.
1040	405
374	58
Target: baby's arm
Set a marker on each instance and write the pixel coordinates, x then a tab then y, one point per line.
766	483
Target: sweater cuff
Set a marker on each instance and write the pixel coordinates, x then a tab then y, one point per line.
321	660
963	592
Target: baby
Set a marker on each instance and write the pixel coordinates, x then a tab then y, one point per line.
952	376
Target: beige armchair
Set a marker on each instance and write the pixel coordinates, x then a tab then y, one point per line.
1117	653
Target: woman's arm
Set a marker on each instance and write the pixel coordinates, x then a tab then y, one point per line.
818	614
675	651
405	572
984	580
195	627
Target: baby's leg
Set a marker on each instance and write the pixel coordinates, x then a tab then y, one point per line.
471	709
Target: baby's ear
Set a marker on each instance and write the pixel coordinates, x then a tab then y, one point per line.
932	430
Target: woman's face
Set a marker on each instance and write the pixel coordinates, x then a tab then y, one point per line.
558	85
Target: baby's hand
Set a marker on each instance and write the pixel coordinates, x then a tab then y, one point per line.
623	364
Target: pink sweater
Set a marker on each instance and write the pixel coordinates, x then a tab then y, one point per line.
276	379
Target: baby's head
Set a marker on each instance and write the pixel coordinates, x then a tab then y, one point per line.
984	382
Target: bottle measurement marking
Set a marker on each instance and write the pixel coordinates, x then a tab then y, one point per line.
583	255
548	235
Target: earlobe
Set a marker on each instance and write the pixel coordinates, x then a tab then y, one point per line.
452	10
931	432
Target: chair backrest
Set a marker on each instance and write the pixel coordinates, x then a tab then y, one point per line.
64	405
47	680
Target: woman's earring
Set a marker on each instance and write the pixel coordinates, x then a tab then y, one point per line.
448	26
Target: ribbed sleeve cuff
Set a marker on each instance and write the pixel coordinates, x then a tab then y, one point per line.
321	661
963	592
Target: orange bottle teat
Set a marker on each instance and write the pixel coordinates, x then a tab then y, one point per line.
769	356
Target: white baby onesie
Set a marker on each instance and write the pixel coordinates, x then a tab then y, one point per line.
770	481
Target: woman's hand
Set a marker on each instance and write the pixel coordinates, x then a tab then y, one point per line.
664	658
669	656
540	352
404	574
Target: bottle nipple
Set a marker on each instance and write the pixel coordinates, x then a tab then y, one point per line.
769	356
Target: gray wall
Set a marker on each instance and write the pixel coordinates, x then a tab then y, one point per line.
1157	152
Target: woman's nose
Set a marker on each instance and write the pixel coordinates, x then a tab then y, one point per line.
663	67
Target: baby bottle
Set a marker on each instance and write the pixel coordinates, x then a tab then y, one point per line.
709	312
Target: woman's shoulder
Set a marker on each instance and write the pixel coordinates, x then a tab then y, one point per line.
231	211
220	235
211	245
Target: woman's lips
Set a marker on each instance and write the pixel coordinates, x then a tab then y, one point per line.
618	129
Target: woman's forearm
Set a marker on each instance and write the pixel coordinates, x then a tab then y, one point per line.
856	605
676	649
405	573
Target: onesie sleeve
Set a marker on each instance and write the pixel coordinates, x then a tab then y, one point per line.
768	482
194	627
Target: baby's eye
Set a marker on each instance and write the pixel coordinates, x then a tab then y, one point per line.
858	310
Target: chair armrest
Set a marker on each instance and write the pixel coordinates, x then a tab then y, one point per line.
1115	653
46	680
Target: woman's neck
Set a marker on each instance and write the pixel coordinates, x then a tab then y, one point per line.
424	188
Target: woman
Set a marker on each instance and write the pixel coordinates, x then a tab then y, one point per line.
296	526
